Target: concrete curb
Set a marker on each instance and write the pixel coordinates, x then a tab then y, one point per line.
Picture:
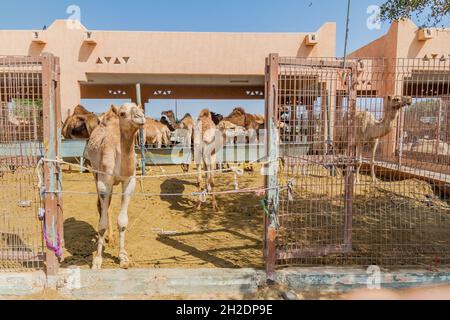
116	284
22	284
345	279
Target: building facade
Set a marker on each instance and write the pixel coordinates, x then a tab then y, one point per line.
168	65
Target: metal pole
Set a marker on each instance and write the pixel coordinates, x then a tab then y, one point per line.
347	32
50	169
270	252
141	131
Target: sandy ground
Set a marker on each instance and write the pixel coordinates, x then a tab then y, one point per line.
394	223
166	232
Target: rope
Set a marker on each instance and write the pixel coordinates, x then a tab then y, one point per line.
174	175
57	249
257	191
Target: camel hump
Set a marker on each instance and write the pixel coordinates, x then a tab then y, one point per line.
205	113
260	119
239	111
79	110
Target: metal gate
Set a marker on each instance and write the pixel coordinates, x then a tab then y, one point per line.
30	222
331	108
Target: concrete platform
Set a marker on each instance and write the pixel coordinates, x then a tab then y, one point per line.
117	284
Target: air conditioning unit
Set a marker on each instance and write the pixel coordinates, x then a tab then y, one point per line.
38	37
426	34
312	39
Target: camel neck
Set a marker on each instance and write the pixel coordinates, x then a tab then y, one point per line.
127	147
388	122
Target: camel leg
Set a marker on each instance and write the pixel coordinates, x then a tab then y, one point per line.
374	147
110	228
104	189
211	182
199	185
111	238
128	188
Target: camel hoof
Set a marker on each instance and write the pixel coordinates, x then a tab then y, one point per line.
125	262
111	240
97	263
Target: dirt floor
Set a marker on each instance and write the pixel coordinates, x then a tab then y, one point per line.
166	232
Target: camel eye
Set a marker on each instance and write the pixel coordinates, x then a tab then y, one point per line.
123	114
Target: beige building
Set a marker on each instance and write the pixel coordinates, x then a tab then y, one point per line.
168	65
414	62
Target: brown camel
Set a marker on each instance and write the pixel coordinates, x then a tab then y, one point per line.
369	130
251	122
187	124
206	147
156	133
80	124
111	151
184	128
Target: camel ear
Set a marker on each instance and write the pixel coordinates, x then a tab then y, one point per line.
115	109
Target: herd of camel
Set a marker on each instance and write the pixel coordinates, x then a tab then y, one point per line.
112	155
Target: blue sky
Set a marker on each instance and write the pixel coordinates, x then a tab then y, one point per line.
199	15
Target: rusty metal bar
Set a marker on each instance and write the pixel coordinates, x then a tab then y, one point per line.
272	78
50	168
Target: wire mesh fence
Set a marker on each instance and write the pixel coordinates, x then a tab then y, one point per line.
21	136
366	144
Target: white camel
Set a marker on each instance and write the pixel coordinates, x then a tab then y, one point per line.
111	151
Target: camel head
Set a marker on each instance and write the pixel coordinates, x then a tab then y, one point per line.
398	102
131	116
205	113
170	116
81	124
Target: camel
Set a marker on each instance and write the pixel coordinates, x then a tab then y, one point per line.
369	130
252	123
232	132
187	124
216	118
207	145
111	151
80	124
156	133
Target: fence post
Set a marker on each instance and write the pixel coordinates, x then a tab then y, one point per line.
141	130
270	253
50	142
350	172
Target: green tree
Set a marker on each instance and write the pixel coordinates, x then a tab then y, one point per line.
428	12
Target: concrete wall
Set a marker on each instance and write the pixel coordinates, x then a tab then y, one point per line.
159	53
402	41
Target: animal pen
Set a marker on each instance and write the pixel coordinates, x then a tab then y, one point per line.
327	216
332	217
30	215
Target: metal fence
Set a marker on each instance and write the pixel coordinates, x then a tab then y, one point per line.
334	108
28	122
